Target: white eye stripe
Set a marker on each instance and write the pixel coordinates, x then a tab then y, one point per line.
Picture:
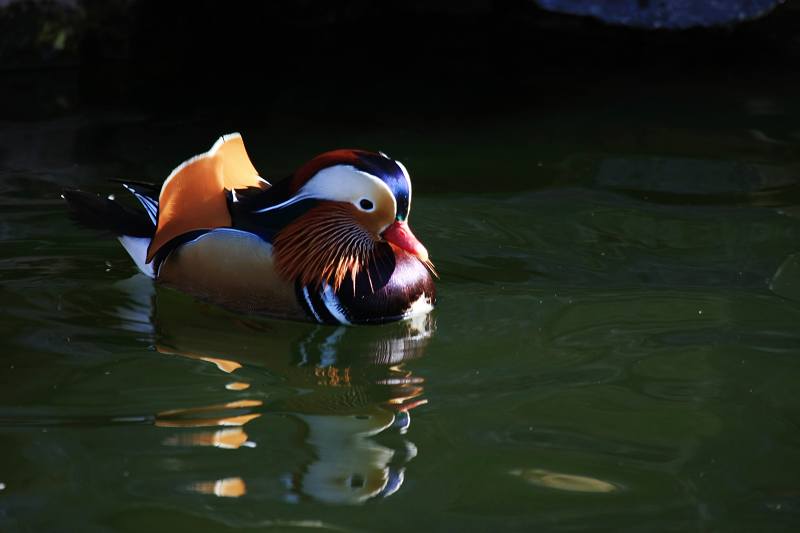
343	183
290	201
346	183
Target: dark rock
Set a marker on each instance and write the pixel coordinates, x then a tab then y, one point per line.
671	14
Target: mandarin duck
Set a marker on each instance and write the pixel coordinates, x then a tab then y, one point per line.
331	243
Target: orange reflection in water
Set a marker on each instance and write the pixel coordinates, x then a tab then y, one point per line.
183	418
562	481
231	487
229	439
350	384
225	365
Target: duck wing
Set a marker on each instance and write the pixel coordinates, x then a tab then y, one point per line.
194	195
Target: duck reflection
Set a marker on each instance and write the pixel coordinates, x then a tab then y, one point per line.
341	387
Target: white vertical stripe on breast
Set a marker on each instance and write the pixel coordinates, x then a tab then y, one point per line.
332	304
310	305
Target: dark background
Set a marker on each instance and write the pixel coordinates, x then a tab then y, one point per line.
479	95
350	58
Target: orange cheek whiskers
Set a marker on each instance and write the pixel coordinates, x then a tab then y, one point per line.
323	246
431	268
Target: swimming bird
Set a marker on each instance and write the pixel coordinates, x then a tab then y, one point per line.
330	243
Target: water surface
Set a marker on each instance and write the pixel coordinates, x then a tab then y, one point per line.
616	345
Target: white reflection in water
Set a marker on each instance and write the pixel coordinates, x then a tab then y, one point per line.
350	386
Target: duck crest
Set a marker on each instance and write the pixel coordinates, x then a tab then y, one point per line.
391	172
344	156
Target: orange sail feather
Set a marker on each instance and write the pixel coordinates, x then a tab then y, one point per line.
193	196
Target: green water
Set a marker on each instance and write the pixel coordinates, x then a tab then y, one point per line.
616	346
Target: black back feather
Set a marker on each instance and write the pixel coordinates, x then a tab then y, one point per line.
97	212
145	187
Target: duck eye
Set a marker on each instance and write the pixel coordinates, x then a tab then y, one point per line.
366	205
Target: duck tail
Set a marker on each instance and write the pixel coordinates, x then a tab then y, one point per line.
134	228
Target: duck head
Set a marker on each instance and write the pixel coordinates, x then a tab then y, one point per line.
339	208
